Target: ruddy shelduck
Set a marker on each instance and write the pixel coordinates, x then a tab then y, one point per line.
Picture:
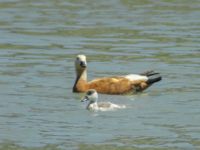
131	83
92	97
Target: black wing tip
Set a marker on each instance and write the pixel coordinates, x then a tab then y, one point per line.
153	80
149	73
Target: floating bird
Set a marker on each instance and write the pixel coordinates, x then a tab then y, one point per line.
131	83
92	97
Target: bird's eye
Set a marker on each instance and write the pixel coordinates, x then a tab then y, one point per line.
89	93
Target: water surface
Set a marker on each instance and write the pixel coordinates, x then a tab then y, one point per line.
38	43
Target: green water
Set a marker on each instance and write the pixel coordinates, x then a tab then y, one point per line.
38	43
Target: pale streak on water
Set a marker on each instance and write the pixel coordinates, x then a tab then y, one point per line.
38	43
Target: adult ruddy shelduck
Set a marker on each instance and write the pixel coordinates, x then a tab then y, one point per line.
92	98
131	83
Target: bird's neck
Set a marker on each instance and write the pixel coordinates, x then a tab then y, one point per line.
81	80
83	75
92	106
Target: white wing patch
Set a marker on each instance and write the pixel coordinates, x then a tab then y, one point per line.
133	77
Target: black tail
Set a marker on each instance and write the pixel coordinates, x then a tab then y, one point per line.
152	80
149	73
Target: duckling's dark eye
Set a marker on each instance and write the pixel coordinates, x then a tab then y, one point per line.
77	58
89	93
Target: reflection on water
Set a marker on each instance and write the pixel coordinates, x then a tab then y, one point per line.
38	43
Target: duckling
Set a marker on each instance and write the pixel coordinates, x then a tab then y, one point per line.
92	97
131	83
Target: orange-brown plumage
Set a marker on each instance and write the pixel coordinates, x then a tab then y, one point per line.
110	85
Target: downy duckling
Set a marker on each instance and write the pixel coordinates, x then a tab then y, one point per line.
92	97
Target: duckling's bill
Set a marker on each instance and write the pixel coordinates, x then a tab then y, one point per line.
84	99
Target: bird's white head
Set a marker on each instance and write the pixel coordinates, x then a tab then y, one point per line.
80	62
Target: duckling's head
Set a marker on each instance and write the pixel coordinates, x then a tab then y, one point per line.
91	95
80	63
